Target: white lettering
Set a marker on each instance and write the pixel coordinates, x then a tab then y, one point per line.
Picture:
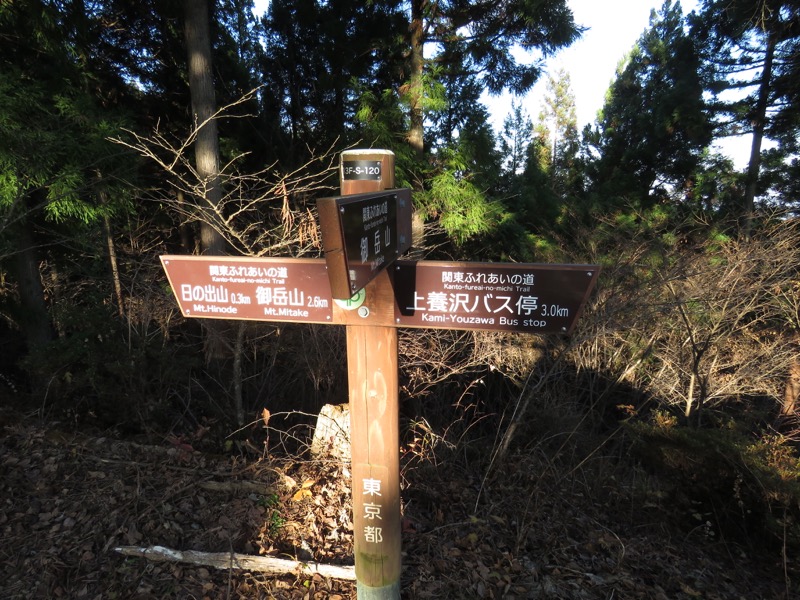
462	320
434	318
292	312
534	323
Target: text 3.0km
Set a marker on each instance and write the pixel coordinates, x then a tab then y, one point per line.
554	310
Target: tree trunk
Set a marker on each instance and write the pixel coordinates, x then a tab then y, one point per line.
206	146
759	124
206	152
791	394
34	318
189	243
112	250
238	355
112	260
414	94
415	88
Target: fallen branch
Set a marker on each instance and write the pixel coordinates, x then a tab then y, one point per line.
228	560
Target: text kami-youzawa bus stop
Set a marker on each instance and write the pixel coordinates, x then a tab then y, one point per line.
363	284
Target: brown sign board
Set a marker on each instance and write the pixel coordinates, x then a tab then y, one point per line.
526	298
252	289
362	234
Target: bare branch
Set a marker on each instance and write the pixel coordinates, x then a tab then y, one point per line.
261	213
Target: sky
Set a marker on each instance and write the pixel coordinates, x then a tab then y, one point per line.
612	28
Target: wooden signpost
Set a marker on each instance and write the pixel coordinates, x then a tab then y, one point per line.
363	284
372	381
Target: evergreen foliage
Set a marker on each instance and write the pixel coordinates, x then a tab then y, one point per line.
479	37
751	63
654	126
54	129
558	131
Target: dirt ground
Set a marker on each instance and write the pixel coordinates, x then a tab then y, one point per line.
68	500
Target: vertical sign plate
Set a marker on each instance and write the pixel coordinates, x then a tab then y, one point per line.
362	234
370	237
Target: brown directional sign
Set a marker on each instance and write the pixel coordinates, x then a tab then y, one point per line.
362	234
254	289
527	298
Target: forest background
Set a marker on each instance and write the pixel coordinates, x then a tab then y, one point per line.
132	130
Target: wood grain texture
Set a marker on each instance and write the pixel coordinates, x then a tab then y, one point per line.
374	422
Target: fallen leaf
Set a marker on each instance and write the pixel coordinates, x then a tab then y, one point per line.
691	592
301	493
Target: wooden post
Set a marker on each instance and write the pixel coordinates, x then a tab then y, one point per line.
374	413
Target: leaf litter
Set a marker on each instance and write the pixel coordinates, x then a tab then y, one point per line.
67	500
